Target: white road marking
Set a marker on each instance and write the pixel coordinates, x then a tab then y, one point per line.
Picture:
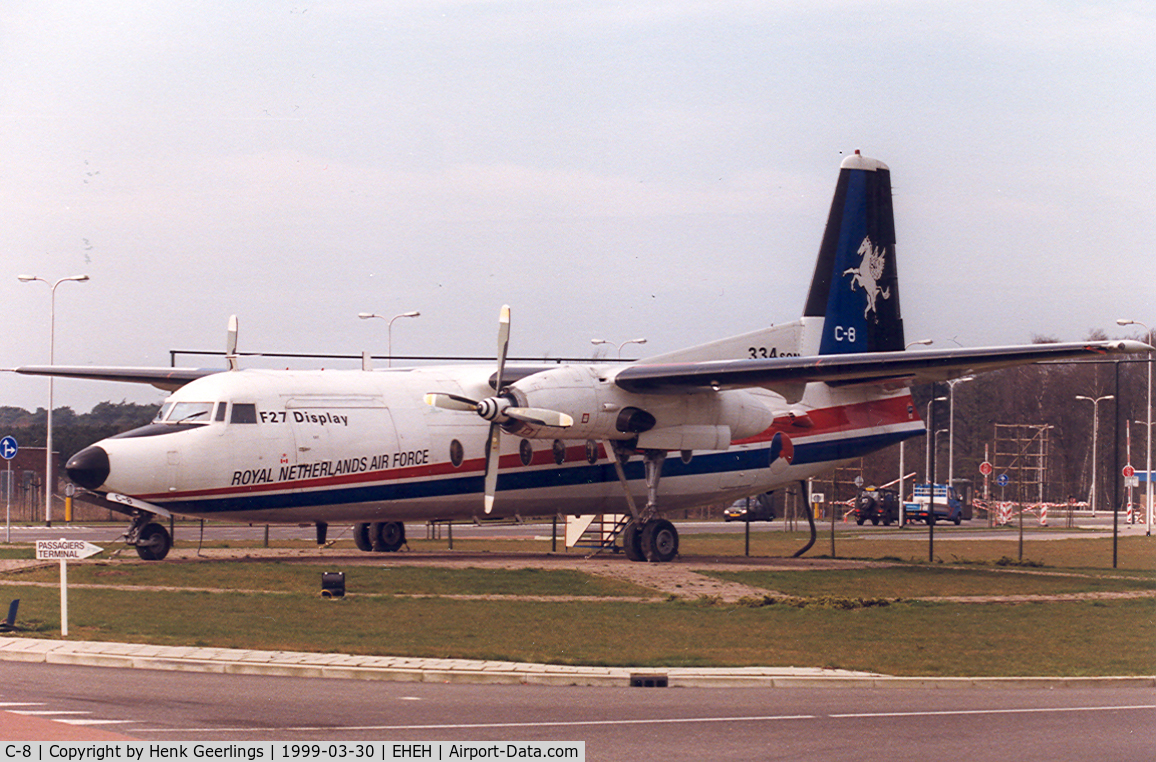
651	721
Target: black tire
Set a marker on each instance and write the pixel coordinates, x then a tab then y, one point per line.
387	536
632	542
361	537
956	520
860	521
659	541
154	543
875	521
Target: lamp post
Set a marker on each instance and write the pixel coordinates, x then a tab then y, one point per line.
1095	425
51	361
951	427
619	346
1148	466
930	437
388	331
903	443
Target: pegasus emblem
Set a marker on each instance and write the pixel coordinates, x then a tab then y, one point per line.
868	273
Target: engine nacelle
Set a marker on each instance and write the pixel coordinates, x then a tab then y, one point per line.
601	410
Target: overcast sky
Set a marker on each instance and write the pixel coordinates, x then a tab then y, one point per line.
609	169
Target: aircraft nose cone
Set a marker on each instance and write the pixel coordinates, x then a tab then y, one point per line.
89	467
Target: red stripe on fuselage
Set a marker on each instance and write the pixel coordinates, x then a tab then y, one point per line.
470	467
842	418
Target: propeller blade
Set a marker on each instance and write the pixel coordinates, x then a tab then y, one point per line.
450	402
503	342
231	343
493	452
539	417
494	443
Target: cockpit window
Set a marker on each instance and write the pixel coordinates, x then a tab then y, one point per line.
220	416
163	412
244	412
189	412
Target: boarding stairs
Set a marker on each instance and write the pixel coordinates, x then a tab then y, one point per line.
596	532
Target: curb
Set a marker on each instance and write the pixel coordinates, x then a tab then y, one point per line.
237	661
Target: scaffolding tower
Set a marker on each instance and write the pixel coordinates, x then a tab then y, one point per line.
1021	452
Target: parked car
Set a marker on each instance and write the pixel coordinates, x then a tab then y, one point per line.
877	505
754	508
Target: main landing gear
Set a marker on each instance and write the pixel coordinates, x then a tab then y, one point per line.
647	537
380	536
153	542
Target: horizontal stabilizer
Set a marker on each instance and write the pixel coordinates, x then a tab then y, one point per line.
865	367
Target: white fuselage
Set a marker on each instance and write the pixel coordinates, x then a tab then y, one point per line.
361	446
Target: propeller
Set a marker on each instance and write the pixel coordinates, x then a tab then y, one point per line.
498	410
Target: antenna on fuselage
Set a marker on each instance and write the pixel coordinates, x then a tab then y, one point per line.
231	343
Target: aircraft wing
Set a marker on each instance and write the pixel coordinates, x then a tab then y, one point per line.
168	379
787	373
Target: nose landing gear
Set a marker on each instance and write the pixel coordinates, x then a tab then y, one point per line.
152	541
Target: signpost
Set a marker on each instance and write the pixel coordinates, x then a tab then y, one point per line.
8	450
64	551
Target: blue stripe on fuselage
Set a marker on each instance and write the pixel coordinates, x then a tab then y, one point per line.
472	484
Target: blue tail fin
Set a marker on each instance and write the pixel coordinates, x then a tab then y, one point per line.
856	283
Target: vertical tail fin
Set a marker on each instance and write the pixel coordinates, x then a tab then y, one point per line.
856	283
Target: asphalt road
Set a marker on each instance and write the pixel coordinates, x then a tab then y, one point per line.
996	723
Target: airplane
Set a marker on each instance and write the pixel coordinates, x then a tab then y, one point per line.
711	423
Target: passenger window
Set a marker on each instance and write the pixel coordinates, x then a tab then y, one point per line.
220	416
244	412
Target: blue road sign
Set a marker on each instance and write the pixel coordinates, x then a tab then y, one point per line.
8	448
1002	480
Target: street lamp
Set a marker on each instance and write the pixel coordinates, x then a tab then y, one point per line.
930	437
1095	425
903	443
51	361
619	346
951	427
1148	467
389	330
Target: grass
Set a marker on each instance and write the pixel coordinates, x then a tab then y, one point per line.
902	637
280	577
1135	554
1071	638
929	581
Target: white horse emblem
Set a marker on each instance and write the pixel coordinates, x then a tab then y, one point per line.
868	273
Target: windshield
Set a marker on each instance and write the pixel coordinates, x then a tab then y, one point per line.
186	412
163	412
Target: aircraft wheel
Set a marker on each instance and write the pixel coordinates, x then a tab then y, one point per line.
632	542
387	536
361	537
154	542
659	541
